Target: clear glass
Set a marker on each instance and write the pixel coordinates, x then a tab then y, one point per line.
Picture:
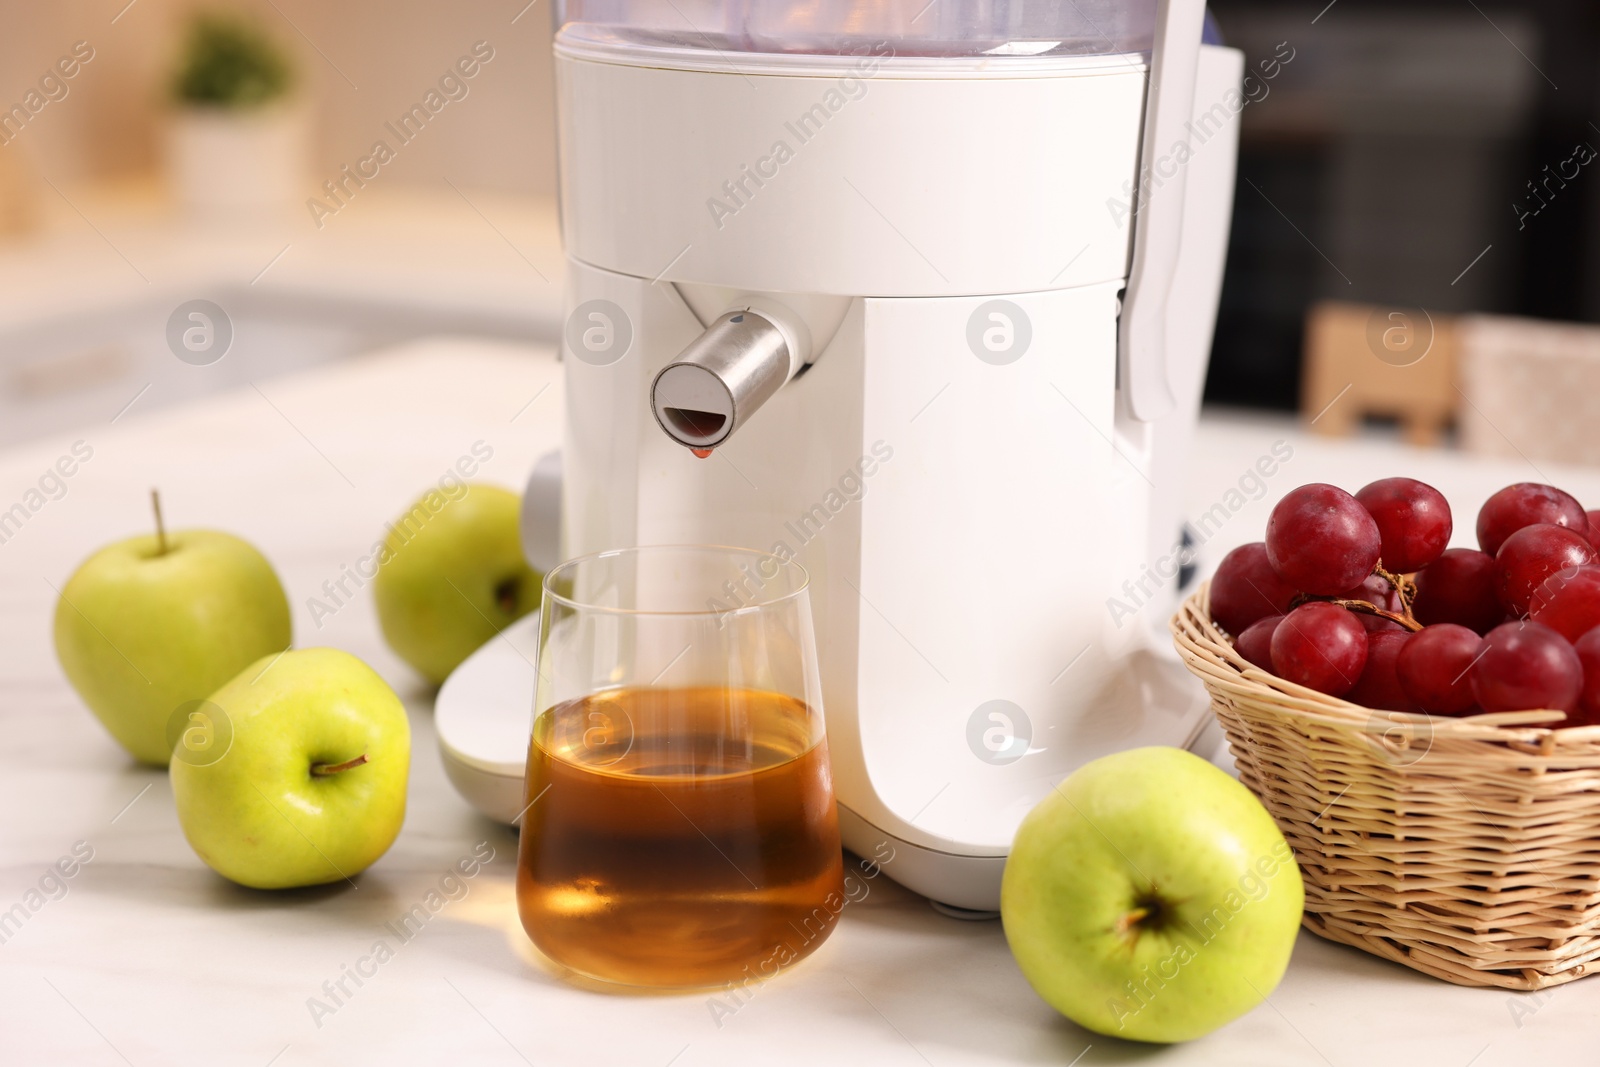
943	28
680	828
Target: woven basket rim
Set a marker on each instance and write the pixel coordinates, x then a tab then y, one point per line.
1209	652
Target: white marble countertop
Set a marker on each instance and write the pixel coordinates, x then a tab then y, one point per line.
150	958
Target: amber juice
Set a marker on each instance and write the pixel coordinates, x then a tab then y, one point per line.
679	836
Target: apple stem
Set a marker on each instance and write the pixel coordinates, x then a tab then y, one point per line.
161	527
507	596
325	770
1128	925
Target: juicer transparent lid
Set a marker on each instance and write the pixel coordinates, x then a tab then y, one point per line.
929	29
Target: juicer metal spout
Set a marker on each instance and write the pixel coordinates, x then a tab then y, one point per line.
719	381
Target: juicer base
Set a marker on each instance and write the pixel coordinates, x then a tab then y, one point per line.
970	883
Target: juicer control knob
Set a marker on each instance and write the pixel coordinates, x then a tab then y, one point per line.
717	382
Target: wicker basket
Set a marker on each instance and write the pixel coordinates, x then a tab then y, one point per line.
1468	849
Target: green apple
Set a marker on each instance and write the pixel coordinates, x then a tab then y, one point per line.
451	575
148	624
1151	897
299	774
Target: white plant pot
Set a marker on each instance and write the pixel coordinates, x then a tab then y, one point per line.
228	163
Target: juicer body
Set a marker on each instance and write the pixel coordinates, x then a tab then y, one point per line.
954	463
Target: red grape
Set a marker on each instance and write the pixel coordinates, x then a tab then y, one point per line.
1320	646
1376	591
1530	556
1594	527
1459	588
1568	601
1527	665
1588	649
1255	644
1246	588
1434	668
1413	520
1524	504
1378	686
1321	540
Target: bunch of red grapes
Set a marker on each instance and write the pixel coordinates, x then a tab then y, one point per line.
1359	597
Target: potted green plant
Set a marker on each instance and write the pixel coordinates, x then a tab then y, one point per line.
237	144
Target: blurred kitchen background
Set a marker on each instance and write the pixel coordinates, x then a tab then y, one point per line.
1413	242
119	203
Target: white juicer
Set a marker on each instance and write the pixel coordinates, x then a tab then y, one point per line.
922	295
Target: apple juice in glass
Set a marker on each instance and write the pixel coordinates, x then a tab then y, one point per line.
680	828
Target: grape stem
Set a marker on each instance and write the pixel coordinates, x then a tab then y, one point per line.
1399	583
1361	607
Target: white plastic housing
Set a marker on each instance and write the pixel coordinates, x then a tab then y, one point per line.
993	184
965	518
